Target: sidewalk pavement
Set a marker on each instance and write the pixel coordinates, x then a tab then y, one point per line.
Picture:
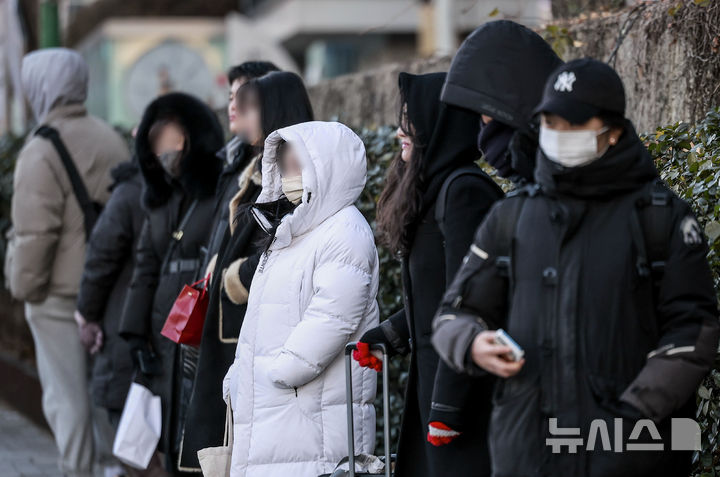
26	450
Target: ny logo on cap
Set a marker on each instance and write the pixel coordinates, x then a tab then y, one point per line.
565	81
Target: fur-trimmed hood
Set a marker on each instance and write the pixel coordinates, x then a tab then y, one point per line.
200	166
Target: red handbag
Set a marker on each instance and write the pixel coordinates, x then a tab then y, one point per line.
185	322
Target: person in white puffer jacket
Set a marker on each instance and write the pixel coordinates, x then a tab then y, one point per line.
314	291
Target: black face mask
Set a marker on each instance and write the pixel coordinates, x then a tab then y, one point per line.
170	162
493	140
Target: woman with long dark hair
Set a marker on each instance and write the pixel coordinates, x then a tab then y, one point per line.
266	104
434	199
262	105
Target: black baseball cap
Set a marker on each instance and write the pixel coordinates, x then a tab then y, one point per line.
581	89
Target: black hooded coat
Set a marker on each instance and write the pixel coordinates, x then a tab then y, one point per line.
500	71
436	251
166	259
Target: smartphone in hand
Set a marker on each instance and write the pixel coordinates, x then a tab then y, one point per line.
504	339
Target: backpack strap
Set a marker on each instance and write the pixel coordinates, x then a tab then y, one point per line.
89	208
506	224
175	239
441	200
651	228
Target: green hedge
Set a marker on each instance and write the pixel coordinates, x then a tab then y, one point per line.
688	158
381	146
10	146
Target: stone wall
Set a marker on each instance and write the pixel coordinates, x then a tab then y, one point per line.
368	98
668	60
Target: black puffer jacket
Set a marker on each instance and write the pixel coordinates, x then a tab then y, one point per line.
167	260
105	280
599	342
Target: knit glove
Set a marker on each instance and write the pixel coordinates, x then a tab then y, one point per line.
373	359
440	434
366	358
452	394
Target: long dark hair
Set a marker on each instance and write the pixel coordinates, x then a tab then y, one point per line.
281	98
401	200
283	101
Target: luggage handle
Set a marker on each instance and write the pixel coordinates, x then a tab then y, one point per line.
349	348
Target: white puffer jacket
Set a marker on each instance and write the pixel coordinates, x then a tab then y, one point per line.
313	292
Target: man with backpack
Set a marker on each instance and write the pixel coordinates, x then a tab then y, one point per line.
598	272
62	177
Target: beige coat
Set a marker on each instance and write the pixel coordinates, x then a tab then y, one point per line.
48	248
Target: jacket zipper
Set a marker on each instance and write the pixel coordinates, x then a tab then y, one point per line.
266	255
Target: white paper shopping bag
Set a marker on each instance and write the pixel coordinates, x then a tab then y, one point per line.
139	429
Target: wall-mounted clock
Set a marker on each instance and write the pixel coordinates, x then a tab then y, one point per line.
170	66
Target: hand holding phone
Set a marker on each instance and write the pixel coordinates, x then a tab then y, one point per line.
504	339
499	359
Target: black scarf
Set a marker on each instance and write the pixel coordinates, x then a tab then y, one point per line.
493	142
510	151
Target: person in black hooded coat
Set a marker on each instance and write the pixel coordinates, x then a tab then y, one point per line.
615	329
499	72
280	100
439	173
235	155
105	280
179	186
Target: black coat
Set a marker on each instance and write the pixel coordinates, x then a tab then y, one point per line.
431	263
104	284
205	419
437	246
599	341
165	260
227	187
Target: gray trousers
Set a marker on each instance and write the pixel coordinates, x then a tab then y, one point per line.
82	433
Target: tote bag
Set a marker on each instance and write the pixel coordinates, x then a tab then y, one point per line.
215	461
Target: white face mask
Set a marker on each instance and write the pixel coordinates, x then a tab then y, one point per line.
571	148
292	187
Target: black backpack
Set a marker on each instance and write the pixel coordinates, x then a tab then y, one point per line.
651	224
91	209
441	201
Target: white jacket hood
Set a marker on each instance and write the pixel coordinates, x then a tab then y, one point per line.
334	168
53	77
